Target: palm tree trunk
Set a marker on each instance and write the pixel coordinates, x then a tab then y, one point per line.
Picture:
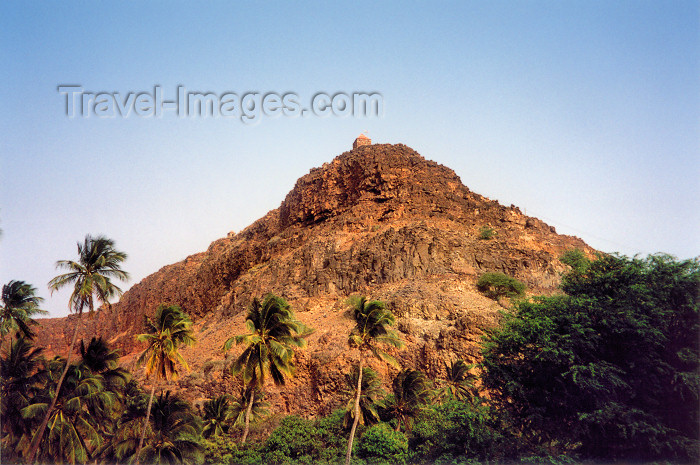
348	454
145	424
34	447
247	416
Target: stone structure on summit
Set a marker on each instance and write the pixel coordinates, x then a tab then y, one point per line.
361	140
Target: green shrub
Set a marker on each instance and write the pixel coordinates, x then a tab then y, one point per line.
333	437
294	441
576	259
249	454
549	459
495	285
297	441
486	233
382	445
216	448
223	450
460	431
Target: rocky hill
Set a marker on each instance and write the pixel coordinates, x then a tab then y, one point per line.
380	221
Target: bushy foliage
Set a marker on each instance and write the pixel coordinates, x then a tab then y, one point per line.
486	233
332	434
218	450
460	430
496	285
576	259
382	445
222	450
609	370
295	440
300	441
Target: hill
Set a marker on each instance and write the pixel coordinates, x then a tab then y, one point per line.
379	220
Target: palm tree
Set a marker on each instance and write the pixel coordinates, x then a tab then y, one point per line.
459	384
372	322
165	333
125	432
22	375
83	406
91	277
412	391
97	355
370	398
239	407
273	333
19	304
176	433
217	413
99	358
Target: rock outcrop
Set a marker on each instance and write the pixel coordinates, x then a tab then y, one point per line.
379	220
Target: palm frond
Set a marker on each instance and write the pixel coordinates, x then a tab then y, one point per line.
384	356
19	304
272	334
169	329
91	275
372	322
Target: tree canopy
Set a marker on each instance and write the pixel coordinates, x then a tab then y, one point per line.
166	333
609	370
18	304
92	274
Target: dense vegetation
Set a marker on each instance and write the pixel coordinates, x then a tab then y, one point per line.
496	285
607	372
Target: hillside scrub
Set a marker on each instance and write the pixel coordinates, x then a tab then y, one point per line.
486	233
496	285
576	259
382	445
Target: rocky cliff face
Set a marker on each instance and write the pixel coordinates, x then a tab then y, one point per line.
380	221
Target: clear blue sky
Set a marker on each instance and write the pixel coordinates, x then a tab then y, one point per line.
585	114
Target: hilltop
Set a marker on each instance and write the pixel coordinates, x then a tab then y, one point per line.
379	220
